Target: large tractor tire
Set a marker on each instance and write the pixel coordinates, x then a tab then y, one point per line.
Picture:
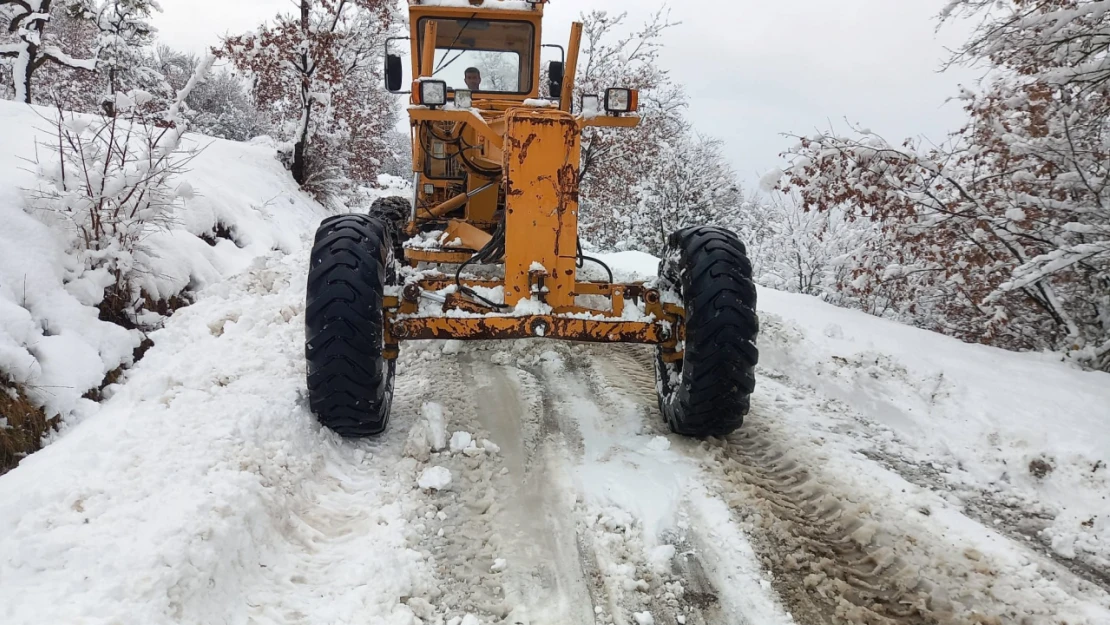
350	383
708	392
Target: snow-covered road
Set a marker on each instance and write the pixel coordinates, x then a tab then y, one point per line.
204	493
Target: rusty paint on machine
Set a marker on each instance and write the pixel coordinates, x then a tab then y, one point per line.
532	326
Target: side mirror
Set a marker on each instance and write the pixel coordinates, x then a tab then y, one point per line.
555	78
393	72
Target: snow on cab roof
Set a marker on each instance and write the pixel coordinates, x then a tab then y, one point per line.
503	5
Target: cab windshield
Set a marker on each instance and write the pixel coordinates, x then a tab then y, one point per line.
489	56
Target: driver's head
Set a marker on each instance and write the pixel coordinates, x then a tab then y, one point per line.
473	78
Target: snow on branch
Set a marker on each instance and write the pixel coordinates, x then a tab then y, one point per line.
29	20
106	183
55	54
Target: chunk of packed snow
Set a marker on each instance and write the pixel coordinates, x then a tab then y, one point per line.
643	618
660	557
417	444
435	478
460	441
437	425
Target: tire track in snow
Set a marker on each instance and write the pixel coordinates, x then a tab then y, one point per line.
648	564
991	508
568	558
716	559
839	554
546	577
319	570
449	524
502	535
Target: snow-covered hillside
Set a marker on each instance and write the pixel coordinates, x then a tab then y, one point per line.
51	340
885	474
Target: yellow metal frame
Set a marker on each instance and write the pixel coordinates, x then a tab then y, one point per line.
522	163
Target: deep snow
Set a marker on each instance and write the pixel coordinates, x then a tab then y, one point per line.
974	419
524	482
51	339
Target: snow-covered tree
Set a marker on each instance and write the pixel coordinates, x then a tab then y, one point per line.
107	183
1002	234
498	73
613	158
221	106
641	184
76	90
31	45
317	74
124	46
618	164
801	251
691	184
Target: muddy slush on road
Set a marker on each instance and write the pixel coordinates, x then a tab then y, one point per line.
593	512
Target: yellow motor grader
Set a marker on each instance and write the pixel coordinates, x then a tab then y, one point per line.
488	246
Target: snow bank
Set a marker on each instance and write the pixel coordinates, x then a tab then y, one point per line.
1024	427
204	492
51	339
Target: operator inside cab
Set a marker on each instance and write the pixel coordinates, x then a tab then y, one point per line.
473	79
503	49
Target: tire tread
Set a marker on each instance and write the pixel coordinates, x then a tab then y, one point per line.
714	275
350	384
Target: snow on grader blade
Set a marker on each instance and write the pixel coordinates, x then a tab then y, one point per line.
496	192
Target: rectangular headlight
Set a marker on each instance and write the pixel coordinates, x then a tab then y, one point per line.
463	98
433	93
621	100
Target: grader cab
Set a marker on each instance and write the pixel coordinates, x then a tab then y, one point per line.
488	246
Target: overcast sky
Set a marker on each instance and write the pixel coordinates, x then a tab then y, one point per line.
753	69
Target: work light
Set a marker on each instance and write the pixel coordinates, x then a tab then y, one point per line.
621	100
463	98
433	93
